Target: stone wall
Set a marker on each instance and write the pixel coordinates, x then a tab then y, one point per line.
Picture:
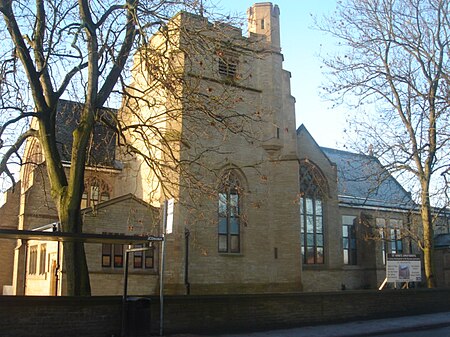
442	267
122	215
125	215
101	316
8	220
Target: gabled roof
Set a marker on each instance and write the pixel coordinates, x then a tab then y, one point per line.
302	130
119	199
363	181
101	151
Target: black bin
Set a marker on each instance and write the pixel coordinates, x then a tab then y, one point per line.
138	317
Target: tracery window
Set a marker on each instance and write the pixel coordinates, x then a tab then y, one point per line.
95	192
229	209
33	158
312	193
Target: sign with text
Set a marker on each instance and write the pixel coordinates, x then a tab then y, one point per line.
403	268
169	221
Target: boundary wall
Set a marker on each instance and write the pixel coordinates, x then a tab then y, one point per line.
35	316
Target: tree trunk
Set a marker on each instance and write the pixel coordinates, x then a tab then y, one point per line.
428	244
77	273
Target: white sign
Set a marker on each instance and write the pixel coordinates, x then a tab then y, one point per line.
169	219
403	268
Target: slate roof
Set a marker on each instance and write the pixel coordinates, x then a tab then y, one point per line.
363	181
101	148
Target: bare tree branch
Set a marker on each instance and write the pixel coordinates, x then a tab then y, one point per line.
396	60
14	149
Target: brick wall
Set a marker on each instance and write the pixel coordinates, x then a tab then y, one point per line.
35	316
262	312
101	316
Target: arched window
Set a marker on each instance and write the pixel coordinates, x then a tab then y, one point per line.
33	157
229	209
95	192
312	192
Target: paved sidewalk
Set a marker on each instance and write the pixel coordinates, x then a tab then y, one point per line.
358	328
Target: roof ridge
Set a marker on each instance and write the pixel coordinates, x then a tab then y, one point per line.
348	152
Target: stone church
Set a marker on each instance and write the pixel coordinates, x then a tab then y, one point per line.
259	205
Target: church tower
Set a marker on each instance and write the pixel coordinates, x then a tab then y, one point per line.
242	216
264	19
264	26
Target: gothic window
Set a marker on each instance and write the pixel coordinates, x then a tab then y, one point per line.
34	157
229	204
312	192
32	260
95	192
42	259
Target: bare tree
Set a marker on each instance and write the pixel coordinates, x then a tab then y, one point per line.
393	61
179	112
81	50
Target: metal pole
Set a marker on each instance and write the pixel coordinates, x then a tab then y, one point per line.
186	262
161	276
58	267
25	266
124	296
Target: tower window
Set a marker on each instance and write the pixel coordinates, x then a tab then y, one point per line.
227	64
229	235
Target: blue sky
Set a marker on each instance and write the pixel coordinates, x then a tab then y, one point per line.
301	46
